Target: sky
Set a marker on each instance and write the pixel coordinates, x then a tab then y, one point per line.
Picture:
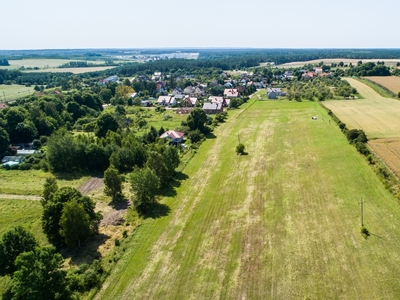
55	24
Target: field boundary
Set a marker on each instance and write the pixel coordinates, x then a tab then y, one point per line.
381	90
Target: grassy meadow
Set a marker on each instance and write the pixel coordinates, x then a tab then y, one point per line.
376	115
281	222
328	61
14	91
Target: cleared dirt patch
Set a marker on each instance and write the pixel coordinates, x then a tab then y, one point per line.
92	184
389	151
392	83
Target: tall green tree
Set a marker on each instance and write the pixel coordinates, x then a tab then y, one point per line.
106	122
145	186
74	224
12	244
196	119
4	140
40	275
113	183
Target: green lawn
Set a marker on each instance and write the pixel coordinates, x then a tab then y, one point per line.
18	182
279	223
14	91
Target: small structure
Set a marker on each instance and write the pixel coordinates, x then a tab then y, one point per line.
213	108
184	110
12	159
174	136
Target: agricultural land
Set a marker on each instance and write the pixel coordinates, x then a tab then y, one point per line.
392	83
374	114
299	64
14	91
281	222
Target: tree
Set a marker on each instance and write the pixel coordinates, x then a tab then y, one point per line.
74	224
196	119
113	183
40	275
4	140
12	244
104	123
240	149
53	211
171	160
155	162
49	188
145	186
105	95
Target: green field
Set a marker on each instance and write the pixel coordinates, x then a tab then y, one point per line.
282	222
46	63
376	115
18	182
14	91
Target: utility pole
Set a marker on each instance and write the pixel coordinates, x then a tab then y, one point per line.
362	212
4	94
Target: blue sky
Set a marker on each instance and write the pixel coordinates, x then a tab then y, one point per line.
51	24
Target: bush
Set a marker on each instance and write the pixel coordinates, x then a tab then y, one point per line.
240	149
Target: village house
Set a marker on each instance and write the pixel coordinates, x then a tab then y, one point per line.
166	101
174	136
216	99
273	93
189	101
212	108
231	93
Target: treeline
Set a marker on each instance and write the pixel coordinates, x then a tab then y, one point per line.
320	89
369	69
28	79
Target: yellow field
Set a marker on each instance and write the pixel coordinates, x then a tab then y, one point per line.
376	115
392	83
328	61
71	70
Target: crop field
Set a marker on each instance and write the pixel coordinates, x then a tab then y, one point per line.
376	115
47	63
281	222
14	91
72	70
389	151
328	61
392	83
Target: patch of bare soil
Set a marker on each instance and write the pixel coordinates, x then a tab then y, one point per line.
113	214
92	184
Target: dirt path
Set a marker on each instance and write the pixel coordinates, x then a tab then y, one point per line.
92	184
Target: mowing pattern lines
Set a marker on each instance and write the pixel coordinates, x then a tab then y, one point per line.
279	223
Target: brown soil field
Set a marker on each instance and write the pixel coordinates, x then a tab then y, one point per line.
388	151
392	83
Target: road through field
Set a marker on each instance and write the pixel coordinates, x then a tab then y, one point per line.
376	115
281	222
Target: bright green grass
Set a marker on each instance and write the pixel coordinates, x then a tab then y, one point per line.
14	91
31	182
279	223
25	213
45	63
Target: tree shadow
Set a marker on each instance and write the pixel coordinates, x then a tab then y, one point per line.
210	135
7	294
175	182
88	252
156	210
121	204
76	175
375	235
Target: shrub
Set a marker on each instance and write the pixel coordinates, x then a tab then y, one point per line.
240	149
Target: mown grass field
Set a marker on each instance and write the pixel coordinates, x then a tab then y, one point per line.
282	222
392	83
18	182
14	91
72	70
42	63
376	115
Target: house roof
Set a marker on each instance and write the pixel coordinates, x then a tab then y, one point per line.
212	106
172	134
216	99
275	90
164	99
231	93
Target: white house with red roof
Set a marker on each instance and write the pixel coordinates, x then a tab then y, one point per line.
173	135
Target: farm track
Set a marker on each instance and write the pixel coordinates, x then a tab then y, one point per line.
20	197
